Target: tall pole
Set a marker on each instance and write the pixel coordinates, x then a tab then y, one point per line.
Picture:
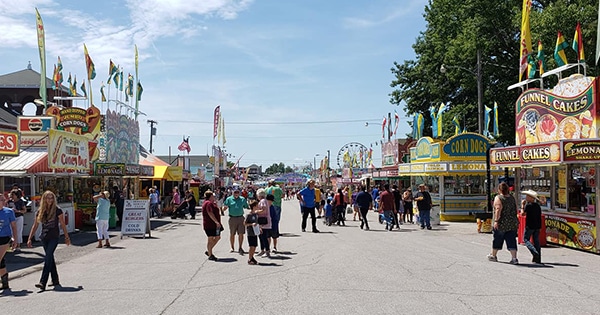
152	131
389	137
480	93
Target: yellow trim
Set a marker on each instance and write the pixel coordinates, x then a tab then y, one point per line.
170	173
457	218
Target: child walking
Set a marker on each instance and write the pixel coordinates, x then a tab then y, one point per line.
328	212
253	230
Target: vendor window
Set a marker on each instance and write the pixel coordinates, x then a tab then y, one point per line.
432	182
464	185
538	179
581	188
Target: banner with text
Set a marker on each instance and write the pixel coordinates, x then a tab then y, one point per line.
67	151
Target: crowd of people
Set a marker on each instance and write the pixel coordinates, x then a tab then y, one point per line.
260	223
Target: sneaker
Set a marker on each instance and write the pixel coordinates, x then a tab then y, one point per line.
268	254
262	252
316	231
212	257
241	251
429	227
232	250
422	228
514	261
492	258
252	262
274	250
206	253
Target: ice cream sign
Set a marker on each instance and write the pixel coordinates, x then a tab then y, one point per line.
67	151
544	116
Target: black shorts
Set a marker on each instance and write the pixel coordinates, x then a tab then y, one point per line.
322	203
212	232
252	240
5	240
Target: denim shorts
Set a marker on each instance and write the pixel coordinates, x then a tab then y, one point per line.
510	237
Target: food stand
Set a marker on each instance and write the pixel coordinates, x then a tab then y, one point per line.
557	155
455	172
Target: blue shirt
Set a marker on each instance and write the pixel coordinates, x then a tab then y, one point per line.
309	197
153	198
7	216
328	210
103	209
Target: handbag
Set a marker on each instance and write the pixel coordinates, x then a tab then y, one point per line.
262	220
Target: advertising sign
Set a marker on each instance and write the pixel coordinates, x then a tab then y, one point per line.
466	145
9	142
37	124
581	150
572	232
67	151
536	153
109	169
135	218
86	122
34	140
568	113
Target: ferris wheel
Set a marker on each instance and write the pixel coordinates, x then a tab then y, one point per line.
353	155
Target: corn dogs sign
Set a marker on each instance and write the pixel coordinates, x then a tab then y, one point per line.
67	151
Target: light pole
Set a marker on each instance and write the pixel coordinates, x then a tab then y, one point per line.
315	165
478	76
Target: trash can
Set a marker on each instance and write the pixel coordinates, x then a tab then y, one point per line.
521	231
112	220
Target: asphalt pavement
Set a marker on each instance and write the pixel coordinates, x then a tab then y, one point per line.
342	270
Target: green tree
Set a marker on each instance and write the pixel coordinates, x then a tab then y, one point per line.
275	168
456	30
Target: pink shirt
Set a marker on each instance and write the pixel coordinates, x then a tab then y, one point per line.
264	206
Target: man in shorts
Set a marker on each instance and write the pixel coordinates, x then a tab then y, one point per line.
236	204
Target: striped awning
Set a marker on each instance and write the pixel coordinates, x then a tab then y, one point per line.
28	162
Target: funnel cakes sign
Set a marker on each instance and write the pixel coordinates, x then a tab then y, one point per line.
543	116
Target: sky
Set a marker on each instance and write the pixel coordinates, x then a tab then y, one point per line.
293	79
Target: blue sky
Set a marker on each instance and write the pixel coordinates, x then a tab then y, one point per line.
277	68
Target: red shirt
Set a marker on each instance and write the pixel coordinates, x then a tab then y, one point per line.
387	200
207	222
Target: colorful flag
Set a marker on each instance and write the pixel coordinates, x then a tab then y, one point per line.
59	68
488	110
121	79
598	37
541	59
525	42
54	78
531	66
70	83
102	92
434	124
216	121
456	124
130	84
185	145
414	126
383	123
139	91
578	44
420	125
440	124
74	86
396	121
559	50
496	133
89	64
112	70
116	78
42	48
82	87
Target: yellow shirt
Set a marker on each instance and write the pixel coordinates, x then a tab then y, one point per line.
317	195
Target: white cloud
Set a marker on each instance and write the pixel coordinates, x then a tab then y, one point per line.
385	15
